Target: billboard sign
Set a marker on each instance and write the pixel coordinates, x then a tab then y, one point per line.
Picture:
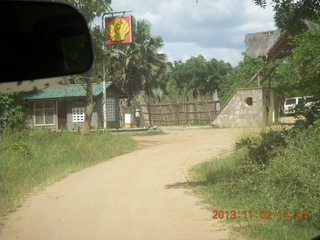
118	30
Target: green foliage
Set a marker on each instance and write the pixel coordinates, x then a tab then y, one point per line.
262	148
141	61
90	9
290	182
11	111
290	13
32	159
133	67
300	73
21	149
196	76
310	113
238	77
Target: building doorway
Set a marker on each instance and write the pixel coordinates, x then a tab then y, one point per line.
62	114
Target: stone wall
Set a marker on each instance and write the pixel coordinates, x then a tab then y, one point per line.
247	108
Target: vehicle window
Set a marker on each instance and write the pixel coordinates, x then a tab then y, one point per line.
290	101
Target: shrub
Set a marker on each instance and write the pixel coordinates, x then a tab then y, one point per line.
11	111
311	113
263	147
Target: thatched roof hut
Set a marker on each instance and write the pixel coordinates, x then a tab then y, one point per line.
272	44
269	45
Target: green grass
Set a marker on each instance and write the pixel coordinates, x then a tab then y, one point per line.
30	160
267	175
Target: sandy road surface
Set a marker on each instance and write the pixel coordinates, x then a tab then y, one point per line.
137	196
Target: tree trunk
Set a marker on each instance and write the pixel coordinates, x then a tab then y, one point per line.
145	85
90	105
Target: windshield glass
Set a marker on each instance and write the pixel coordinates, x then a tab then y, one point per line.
290	101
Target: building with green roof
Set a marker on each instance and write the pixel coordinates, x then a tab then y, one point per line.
64	106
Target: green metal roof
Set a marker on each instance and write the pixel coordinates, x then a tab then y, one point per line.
71	90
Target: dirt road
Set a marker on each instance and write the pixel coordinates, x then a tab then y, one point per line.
137	196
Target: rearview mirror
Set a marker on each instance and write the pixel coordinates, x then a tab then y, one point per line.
42	40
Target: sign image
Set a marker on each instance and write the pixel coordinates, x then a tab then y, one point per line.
118	30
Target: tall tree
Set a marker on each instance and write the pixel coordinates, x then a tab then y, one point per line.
91	9
141	61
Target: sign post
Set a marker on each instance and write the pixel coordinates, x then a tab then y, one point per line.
118	30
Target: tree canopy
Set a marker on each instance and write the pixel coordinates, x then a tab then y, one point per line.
142	63
290	13
196	76
299	74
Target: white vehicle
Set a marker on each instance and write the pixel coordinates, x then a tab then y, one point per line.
291	103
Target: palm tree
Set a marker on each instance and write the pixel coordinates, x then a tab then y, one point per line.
142	62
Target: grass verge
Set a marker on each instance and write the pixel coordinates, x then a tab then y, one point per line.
274	178
30	160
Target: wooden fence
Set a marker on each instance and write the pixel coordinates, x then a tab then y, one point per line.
181	112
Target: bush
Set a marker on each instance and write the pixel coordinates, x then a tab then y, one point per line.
311	113
262	148
11	111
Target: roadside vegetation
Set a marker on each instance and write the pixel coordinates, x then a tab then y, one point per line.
271	180
31	160
275	175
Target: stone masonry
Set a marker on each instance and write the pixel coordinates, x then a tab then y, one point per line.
247	108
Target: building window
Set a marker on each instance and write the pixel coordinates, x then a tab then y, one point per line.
78	114
43	113
111	109
249	101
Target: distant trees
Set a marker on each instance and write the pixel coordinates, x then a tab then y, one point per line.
196	76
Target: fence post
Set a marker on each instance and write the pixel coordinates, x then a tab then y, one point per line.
208	110
149	114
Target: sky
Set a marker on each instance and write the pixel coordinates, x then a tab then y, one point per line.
213	28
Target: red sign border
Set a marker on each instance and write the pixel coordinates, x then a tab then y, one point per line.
128	36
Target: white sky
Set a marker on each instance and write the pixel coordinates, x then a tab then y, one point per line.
213	28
